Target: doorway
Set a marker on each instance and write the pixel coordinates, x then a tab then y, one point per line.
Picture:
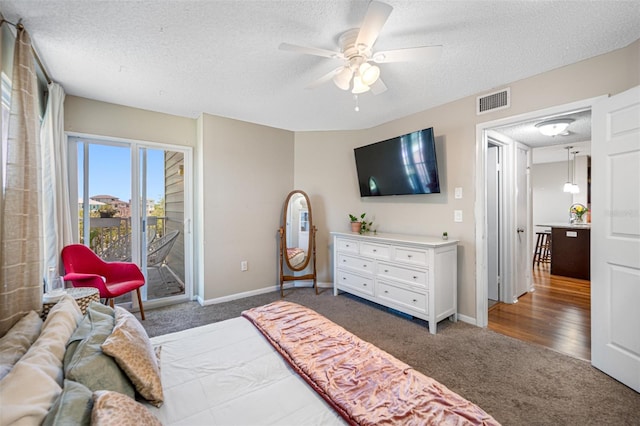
133	206
485	142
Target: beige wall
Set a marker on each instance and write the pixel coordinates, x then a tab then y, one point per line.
325	167
247	174
97	118
244	172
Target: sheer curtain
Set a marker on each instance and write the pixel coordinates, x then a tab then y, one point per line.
55	195
20	241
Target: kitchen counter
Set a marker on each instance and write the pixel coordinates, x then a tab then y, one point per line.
565	225
570	249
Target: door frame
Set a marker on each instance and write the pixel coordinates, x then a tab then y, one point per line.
480	210
189	172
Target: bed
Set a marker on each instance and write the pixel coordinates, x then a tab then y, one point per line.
280	363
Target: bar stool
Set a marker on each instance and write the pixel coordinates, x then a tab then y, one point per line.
542	252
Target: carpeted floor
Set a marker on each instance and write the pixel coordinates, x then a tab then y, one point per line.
516	382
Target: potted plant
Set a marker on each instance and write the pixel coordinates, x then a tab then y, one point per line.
445	235
107	211
359	224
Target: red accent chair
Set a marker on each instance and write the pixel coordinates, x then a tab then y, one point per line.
112	279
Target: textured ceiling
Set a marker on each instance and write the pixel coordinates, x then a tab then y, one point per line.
553	148
221	57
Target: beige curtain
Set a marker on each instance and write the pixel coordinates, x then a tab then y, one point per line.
20	241
57	225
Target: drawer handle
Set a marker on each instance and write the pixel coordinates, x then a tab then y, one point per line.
415	300
415	278
344	260
374	250
409	256
364	284
364	266
344	278
386	291
386	270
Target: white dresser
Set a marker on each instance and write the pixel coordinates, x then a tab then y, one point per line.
416	275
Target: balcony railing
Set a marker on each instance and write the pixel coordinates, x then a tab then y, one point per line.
110	238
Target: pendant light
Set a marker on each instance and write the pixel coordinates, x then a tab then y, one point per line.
575	189
568	184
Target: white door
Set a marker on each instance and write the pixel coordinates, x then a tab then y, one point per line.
493	215
615	237
522	282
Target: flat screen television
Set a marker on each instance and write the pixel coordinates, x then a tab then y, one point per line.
399	166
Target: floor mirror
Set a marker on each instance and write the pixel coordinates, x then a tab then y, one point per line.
297	241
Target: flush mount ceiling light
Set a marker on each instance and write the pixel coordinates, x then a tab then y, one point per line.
554	127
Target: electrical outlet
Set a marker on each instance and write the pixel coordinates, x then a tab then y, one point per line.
457	215
244	266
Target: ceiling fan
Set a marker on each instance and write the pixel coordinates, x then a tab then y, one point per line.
359	73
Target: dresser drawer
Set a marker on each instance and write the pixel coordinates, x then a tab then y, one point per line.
375	250
347	246
359	264
412	256
356	282
395	272
403	297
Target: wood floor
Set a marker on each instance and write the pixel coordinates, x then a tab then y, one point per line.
556	315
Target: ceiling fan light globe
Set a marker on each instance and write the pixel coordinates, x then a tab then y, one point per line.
369	73
342	79
359	86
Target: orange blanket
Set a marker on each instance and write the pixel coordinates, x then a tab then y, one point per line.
366	385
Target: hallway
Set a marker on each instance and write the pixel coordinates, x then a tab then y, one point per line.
556	315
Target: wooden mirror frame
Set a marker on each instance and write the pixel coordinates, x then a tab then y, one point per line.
310	257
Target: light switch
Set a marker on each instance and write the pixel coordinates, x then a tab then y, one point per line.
458	192
457	215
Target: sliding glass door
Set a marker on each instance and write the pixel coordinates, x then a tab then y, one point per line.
136	210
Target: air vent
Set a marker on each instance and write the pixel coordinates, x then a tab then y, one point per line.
493	101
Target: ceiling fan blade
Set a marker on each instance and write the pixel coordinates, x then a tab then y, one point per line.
328	76
423	53
378	87
311	51
377	15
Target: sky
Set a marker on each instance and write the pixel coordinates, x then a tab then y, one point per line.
110	172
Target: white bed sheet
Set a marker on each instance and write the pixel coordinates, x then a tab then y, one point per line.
226	373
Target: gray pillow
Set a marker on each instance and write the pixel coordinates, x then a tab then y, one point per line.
84	329
84	360
73	406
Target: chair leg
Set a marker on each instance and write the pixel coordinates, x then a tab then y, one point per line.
140	303
111	303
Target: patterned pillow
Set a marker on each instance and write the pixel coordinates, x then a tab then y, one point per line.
115	409
129	344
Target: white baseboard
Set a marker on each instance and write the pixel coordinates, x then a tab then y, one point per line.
467	319
257	292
